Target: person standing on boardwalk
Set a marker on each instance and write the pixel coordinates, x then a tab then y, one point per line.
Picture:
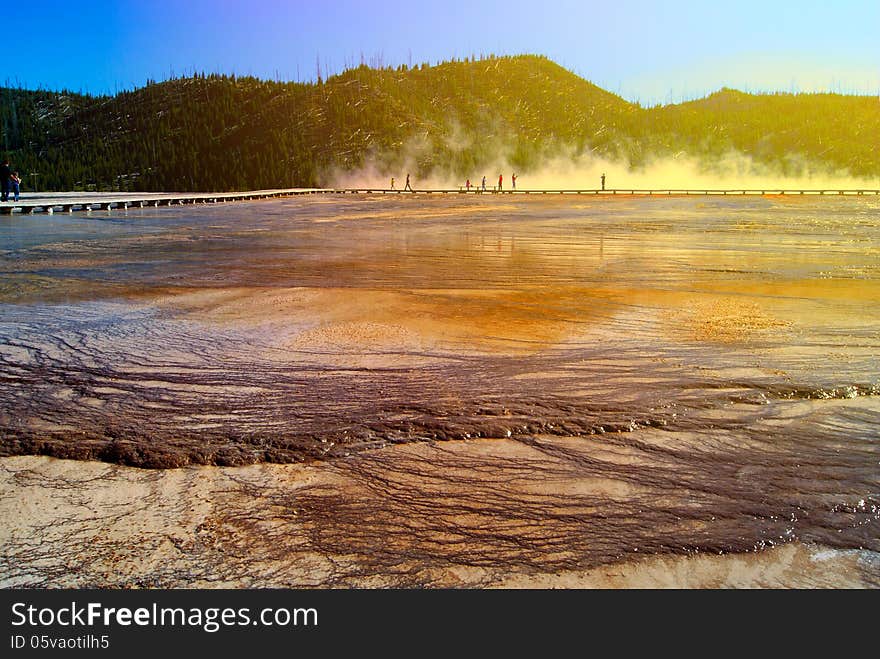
5	180
16	185
467	185
603	180
408	186
513	180
484	183
500	181
392	182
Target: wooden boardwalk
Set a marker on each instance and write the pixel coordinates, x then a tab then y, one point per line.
618	191
70	202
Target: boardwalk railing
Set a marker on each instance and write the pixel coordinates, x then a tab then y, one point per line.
67	203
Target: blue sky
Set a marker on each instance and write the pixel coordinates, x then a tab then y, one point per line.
646	51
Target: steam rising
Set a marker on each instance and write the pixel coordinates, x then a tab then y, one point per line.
565	169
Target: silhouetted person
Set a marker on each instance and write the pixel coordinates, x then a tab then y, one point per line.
500	181
15	180
603	180
467	185
5	180
407	186
392	182
484	183
513	181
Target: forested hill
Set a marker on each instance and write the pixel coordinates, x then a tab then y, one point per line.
223	133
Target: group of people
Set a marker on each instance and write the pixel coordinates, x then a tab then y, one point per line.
10	181
468	185
407	186
500	187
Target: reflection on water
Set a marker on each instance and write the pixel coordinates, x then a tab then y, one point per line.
718	357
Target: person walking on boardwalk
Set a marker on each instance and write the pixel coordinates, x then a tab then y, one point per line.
603	180
484	183
5	180
500	181
513	180
15	179
408	186
392	182
467	185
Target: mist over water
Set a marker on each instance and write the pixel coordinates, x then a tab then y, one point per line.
677	375
564	169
